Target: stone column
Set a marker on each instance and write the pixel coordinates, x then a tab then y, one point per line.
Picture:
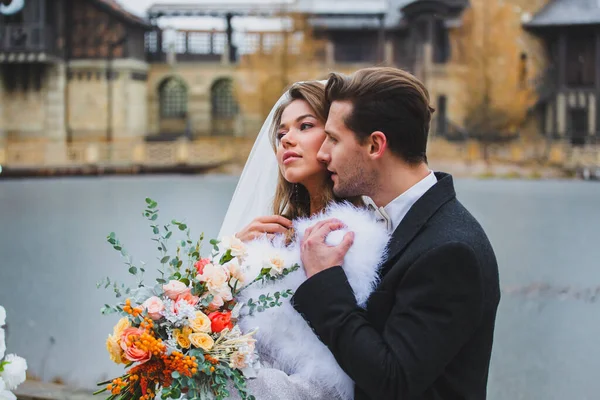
54	125
2	123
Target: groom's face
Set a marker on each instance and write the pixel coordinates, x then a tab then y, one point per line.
346	158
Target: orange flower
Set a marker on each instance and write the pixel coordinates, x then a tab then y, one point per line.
220	321
130	343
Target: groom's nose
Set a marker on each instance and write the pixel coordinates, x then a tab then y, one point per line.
323	156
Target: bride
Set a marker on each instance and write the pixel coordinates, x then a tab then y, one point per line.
295	188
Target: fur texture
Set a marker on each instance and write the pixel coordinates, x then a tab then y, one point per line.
283	335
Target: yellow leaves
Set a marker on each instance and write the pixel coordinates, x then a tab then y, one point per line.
496	71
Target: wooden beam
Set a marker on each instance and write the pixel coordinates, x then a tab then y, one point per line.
597	82
562	60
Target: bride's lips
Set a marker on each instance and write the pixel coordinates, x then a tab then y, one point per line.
290	156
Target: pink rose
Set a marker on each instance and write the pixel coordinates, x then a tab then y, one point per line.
155	307
129	339
188	298
216	303
174	289
200	264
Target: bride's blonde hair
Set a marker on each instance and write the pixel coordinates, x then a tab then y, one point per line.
292	200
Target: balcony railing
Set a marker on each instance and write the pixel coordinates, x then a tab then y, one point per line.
26	38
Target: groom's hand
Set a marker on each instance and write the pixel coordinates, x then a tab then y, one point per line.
317	255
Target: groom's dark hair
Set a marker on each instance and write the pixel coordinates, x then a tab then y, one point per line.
389	100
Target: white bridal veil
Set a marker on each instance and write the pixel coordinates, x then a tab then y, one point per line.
253	196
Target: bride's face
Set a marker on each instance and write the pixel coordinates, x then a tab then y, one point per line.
299	138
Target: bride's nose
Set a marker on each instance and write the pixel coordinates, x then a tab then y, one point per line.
286	141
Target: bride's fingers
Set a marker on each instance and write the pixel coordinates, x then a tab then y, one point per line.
275	219
270	228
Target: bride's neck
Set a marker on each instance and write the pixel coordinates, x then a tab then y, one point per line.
315	194
317	203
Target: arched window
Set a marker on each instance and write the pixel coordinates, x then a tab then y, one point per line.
224	107
173	98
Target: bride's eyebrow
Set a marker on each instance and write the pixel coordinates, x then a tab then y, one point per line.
300	118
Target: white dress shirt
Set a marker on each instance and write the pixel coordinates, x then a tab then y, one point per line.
393	213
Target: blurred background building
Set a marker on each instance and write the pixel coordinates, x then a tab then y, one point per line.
522	75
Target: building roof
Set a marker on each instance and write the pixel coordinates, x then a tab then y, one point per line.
567	12
329	14
391	10
116	9
331	8
334	14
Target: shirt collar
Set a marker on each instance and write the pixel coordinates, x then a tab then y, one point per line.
397	209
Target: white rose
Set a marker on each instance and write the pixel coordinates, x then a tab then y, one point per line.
237	247
215	276
14	371
6	395
276	265
2	316
223	292
235	270
237	360
2	344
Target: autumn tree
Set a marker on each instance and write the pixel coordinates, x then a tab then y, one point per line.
280	58
497	90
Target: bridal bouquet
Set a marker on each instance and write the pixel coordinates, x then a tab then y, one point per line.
180	336
12	367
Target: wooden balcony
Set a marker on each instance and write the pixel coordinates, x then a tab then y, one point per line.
23	42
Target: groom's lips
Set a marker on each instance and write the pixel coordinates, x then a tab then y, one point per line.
290	156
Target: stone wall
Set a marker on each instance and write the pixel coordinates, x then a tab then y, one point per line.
35	114
444	79
90	94
198	79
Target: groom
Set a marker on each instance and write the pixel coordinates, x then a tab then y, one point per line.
427	329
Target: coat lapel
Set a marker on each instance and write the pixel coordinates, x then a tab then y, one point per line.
418	215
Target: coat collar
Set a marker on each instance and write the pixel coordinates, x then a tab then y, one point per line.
419	214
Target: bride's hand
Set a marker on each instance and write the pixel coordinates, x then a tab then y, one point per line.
270	225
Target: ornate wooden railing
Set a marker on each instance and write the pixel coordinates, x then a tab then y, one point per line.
26	38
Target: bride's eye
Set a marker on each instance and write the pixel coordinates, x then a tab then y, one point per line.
305	126
280	136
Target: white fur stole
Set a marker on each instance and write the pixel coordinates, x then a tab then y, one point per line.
283	335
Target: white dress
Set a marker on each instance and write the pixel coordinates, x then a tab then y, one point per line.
295	363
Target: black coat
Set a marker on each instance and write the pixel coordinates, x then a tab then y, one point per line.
428	328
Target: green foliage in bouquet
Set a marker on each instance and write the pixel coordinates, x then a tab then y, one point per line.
179	336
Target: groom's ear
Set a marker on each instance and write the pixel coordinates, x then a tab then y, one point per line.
377	143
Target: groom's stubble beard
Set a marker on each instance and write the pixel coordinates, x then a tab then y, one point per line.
356	181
